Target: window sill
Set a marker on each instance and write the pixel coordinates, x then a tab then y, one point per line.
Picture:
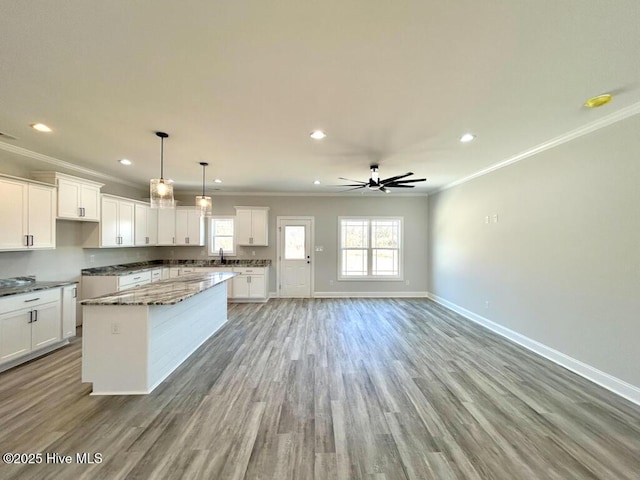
370	279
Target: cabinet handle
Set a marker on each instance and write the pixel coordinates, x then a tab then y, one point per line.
75	292
30	316
36	315
251	240
26	240
248	279
137	278
146	240
31	240
32	300
79	211
186	240
173	239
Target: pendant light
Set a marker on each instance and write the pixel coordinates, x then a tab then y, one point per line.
203	201
161	190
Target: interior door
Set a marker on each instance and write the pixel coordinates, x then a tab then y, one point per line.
294	257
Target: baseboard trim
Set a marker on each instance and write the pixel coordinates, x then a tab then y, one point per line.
611	383
370	294
33	355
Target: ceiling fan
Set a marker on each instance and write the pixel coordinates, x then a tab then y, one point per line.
375	183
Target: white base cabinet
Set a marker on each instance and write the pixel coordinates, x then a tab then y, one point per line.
251	284
34	323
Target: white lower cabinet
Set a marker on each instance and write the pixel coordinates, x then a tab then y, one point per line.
69	310
30	322
251	284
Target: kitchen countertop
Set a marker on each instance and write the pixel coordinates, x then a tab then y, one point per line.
18	285
164	292
127	268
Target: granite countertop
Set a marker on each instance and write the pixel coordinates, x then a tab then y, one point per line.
164	292
127	268
18	285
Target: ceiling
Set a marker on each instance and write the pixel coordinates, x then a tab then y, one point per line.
242	84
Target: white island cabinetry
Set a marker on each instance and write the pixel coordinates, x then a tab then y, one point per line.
133	340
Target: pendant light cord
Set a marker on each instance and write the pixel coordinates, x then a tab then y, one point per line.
203	179
161	158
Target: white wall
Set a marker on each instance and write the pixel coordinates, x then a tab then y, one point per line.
562	265
326	210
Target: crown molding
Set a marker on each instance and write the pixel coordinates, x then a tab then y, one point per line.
62	164
216	193
591	127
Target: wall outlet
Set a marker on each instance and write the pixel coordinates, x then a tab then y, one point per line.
407	283
92	258
486	304
115	328
487	219
495	218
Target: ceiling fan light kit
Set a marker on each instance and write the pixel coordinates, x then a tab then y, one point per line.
161	191
202	201
385	185
598	101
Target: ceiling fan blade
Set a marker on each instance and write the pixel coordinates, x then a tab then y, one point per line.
398	185
350	185
349	189
349	180
393	179
408	181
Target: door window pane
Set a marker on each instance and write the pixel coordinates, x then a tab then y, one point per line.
294	242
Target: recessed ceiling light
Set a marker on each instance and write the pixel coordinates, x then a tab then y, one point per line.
467	137
124	161
217	180
41	127
316	182
318	135
598	101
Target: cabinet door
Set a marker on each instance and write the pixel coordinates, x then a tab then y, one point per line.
69	296
13	214
126	218
257	286
90	202
15	335
68	199
141	222
42	216
182	227
152	225
259	230
45	327
109	223
243	226
166	226
195	227
240	286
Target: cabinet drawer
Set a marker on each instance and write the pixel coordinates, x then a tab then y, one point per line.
156	274
29	300
139	278
250	270
185	270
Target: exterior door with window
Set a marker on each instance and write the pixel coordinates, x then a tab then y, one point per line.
294	257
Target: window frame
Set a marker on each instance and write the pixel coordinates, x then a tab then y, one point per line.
210	236
369	277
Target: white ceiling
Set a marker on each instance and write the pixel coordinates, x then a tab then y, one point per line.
242	84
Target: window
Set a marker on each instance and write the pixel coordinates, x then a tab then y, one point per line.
221	235
370	248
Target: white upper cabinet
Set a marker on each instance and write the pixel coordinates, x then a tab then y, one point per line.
27	215
117	217
189	226
252	226
166	226
78	199
146	225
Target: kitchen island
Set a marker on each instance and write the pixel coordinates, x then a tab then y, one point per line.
133	340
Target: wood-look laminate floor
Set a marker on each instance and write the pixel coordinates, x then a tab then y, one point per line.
329	389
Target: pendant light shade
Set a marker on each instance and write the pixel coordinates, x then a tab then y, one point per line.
203	201
161	191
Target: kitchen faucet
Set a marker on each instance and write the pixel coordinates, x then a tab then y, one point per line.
222	259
